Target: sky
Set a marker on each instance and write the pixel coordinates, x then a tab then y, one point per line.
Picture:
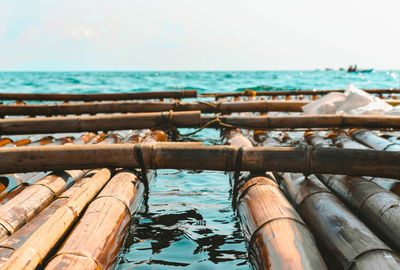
198	34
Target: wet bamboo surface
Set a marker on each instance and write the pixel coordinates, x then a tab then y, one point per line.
180	156
10	244
35	249
34	198
379	208
349	243
104	96
374	141
95	240
277	237
392	185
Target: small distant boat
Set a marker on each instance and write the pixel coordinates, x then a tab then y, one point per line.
354	69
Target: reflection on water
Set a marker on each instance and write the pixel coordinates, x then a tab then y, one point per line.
190	223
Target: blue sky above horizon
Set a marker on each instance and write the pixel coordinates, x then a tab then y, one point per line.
198	35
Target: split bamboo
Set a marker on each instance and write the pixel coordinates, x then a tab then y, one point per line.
374	141
180	156
35	249
379	208
348	242
277	237
104	96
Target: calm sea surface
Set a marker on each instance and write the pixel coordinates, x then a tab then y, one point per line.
189	222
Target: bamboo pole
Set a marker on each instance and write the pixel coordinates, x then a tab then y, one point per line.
294	92
392	185
135	107
97	237
103	96
95	123
349	243
18	182
191	119
374	141
277	237
20	209
180	156
10	244
94	242
379	208
32	253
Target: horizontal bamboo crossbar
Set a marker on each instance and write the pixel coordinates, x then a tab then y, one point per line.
294	92
102	96
132	107
175	156
192	119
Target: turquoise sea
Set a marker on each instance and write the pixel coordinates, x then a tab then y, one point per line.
189	222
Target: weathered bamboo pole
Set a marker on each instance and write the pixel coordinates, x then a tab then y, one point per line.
20	209
181	156
32	253
10	244
349	243
18	182
379	208
191	119
104	223
277	237
392	185
94	242
134	107
103	96
374	141
343	141
294	93
95	123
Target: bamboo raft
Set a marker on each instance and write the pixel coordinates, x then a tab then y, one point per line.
311	191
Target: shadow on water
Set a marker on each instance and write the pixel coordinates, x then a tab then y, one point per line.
188	225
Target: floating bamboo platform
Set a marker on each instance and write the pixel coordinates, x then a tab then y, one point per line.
311	191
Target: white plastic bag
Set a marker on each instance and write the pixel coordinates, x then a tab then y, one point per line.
352	101
360	102
328	104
